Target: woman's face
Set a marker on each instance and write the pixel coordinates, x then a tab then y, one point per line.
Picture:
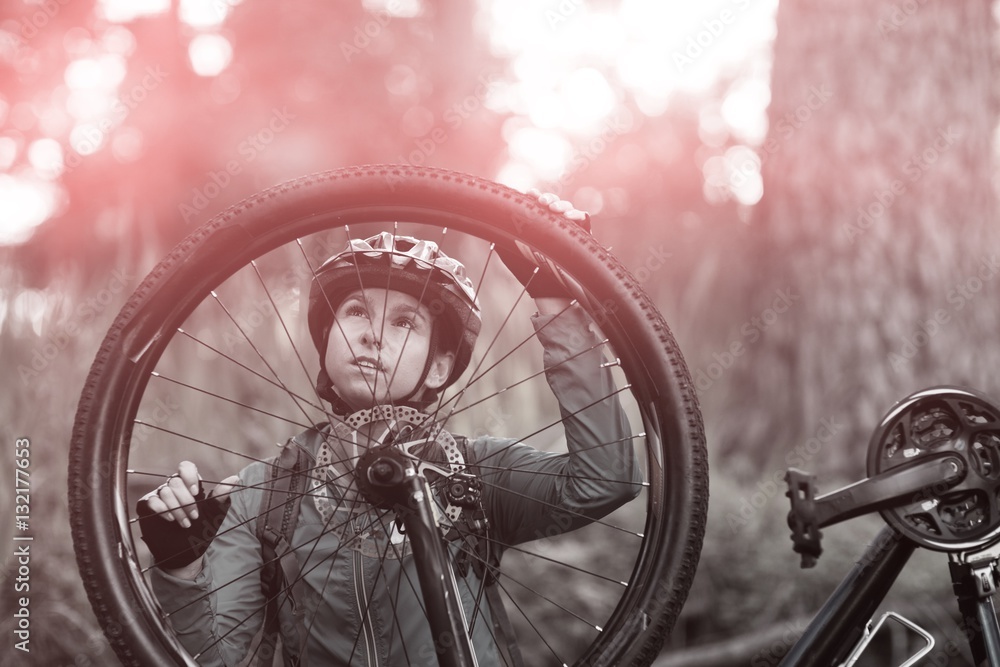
378	346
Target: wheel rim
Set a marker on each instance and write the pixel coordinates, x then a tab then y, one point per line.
117	429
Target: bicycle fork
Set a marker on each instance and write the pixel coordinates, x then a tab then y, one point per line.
395	476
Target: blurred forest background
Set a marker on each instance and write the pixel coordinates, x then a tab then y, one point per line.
806	189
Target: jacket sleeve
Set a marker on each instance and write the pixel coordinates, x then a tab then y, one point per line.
530	494
216	615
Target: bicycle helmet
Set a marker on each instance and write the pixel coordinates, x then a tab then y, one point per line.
406	264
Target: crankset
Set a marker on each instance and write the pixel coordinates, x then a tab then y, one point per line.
934	475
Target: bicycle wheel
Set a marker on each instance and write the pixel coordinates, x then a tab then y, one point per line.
210	360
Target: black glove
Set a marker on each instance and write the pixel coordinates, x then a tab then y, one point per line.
543	284
174	546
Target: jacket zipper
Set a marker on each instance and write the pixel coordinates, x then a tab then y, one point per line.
361	596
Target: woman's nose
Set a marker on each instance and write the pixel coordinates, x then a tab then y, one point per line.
370	336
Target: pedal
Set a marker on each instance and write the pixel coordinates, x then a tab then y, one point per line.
806	535
889	489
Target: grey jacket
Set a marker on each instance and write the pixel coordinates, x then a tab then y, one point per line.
217	615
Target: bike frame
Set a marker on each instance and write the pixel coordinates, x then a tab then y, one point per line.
936	442
842	621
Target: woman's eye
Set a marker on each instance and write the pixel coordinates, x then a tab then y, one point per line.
406	322
356	311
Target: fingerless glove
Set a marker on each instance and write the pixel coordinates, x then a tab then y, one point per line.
521	261
174	546
542	284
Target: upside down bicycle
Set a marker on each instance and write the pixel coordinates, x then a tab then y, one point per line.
934	476
204	361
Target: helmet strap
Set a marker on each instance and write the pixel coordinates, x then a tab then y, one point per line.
432	349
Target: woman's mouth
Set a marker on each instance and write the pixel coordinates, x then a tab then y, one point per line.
367	363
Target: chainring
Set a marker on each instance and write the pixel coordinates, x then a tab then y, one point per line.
935	422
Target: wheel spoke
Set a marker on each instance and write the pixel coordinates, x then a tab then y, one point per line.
234	400
284	328
293	395
260	355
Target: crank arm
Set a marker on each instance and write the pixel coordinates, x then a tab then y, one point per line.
890	489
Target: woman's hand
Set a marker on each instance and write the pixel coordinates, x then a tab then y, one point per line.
543	285
178	521
175	499
557	205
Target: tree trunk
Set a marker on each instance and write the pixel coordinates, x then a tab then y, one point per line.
874	265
